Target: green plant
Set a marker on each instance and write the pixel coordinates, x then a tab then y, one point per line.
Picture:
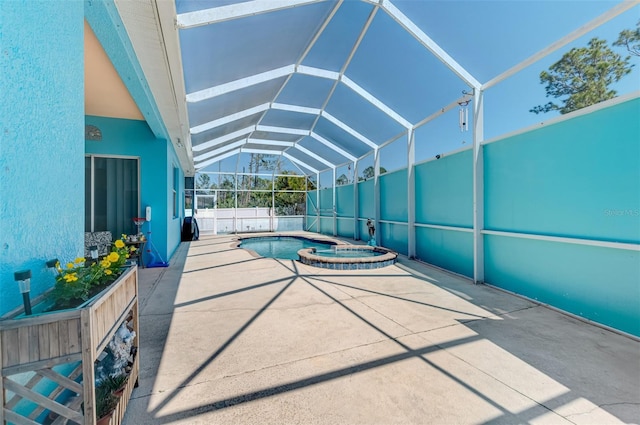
81	280
115	384
106	402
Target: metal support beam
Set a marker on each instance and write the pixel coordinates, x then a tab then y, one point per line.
202	165
299	162
376	194
348	129
332	146
215	142
221	150
229	118
605	17
478	186
411	195
282	130
235	11
295	108
241	83
317	202
335	206
427	42
356	205
314	156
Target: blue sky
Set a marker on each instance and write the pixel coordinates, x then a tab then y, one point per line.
486	38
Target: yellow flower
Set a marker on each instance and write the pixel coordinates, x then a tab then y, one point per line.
119	244
108	272
79	260
124	236
113	257
105	263
132	248
71	277
69	265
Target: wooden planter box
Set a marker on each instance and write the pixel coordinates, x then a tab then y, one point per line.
32	346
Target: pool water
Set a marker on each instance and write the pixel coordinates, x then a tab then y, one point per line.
346	253
281	247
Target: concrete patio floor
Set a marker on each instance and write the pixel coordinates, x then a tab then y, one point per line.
227	338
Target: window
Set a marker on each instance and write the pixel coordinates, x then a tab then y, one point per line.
111	194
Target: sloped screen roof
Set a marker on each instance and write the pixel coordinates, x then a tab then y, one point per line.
328	82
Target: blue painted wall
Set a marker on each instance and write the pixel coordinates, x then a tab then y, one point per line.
148	140
365	201
105	22
344	207
600	284
444	196
41	148
578	178
445	188
393	196
449	249
157	160
394	236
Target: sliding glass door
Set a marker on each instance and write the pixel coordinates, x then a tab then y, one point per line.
111	194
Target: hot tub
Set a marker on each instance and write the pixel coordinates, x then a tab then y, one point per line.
348	257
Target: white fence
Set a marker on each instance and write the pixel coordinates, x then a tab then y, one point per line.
231	220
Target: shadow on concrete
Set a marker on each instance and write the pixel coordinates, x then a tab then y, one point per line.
568	354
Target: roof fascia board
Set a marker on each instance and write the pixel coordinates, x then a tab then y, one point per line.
166	12
106	23
235	11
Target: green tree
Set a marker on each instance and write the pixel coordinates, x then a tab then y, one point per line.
289	195
203	182
342	180
583	75
369	172
630	39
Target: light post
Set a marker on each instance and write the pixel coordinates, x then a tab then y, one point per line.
24	282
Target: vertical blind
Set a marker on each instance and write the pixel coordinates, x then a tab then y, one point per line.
111	195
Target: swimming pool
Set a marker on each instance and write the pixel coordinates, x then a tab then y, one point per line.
326	254
281	247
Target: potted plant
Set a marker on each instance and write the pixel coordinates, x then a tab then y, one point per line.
82	279
116	383
106	403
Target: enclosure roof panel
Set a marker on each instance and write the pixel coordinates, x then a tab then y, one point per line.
340	78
